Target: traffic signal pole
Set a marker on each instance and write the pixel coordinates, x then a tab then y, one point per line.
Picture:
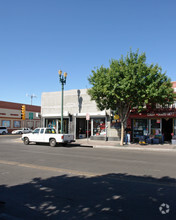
23	114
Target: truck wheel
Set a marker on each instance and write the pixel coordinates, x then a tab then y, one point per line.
52	142
26	141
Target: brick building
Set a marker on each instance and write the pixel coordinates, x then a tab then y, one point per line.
10	116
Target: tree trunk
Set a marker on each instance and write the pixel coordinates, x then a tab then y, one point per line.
122	134
124	113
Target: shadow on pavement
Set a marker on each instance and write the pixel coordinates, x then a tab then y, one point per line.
111	196
75	145
71	145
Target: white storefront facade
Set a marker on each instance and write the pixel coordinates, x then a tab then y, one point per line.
77	105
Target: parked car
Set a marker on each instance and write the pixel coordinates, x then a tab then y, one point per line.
47	135
3	130
22	131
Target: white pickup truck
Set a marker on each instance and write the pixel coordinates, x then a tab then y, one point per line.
47	135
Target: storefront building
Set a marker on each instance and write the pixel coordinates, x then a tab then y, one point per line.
81	116
159	123
10	116
104	125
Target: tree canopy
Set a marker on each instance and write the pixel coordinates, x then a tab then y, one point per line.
129	82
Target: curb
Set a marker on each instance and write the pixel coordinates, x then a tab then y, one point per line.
118	147
134	148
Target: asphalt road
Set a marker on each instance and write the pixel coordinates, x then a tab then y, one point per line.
74	182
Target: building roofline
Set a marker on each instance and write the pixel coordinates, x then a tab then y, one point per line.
17	106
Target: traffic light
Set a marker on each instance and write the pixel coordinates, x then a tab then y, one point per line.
23	112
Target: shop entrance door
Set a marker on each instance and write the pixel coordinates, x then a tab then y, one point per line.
80	128
167	128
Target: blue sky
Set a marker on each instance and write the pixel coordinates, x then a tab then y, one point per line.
39	37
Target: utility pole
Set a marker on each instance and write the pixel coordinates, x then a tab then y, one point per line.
31	96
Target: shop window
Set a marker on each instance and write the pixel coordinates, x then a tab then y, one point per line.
65	126
17	124
140	127
99	127
6	123
155	126
115	120
51	123
50	131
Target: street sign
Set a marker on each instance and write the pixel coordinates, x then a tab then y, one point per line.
116	117
87	116
30	115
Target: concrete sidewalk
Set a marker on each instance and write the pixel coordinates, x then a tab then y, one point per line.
116	145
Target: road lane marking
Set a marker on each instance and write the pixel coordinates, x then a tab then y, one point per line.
18	140
117	159
47	168
127	178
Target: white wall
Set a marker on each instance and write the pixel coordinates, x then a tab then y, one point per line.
75	101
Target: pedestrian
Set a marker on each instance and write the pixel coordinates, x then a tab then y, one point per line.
127	135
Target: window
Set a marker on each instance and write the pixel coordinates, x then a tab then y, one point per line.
36	131
155	126
65	126
115	120
2	128
140	127
51	123
99	126
17	124
6	123
41	131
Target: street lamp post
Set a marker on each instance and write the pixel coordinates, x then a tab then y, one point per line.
62	79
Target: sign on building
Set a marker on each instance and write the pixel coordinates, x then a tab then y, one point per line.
30	115
87	116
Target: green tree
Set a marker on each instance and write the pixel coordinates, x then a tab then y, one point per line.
127	83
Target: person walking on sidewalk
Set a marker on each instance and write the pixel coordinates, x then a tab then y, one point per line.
127	136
